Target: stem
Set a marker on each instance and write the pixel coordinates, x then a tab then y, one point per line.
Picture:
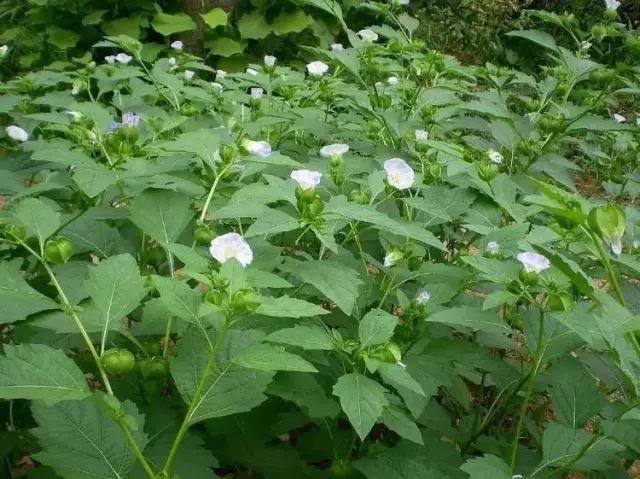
208	369
136	449
523	408
211	191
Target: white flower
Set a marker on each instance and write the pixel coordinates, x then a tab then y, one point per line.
3	50
533	262
493	247
337	149
110	59
269	60
177	45
217	85
16	133
130	118
423	297
317	68
251	71
379	85
231	245
172	61
392	257
392	80
616	245
75	91
636	244
259	148
495	157
189	74
75	115
256	93
613	4
337	47
422	135
306	179
368	35
123	58
399	174
402	2
619	118
220	74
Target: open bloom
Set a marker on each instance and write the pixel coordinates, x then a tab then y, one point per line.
256	93
495	157
317	68
337	47
392	257
613	4
493	247
177	45
16	133
422	135
306	179
189	74
220	74
533	262
110	59
337	149
123	58
423	297
368	35
130	118
399	174
231	245
619	118
269	60
217	86
3	50
251	71
75	115
259	148
392	80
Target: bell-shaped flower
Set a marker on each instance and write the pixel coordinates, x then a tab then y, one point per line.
269	61
306	179
493	247
495	157
423	297
337	47
317	68
618	118
189	74
256	93
259	148
392	80
422	135
130	118
110	59
231	245
16	133
367	35
251	71
123	58
533	262
392	257
177	45
614	4
399	174
337	149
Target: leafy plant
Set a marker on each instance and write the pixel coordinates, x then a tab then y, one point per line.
376	264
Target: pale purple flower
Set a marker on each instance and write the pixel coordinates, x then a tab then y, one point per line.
399	174
306	179
533	262
231	245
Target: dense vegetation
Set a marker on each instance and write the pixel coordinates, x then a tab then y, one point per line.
299	240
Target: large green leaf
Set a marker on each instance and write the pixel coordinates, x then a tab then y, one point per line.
215	17
335	280
36	371
116	287
286	307
80	439
487	467
162	214
305	337
362	400
304	390
39	219
376	327
17	299
291	22
471	317
167	24
268	357
253	25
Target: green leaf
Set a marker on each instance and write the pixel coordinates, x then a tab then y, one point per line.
161	214
398	377
569	268
486	467
166	24
38	218
305	337
286	307
231	389
272	221
116	287
36	371
80	439
473	318
225	47
536	36
335	280
399	422
61	38
290	22
94	17
253	25
304	391
94	178
215	17
122	26
376	327
362	399
267	357
18	300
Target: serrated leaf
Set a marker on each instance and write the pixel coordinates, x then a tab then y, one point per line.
17	299
304	390
225	47
267	357
290	22
94	178
167	24
399	422
38	372
80	439
253	25
305	337
570	269
472	318
487	467
286	307
536	36
38	218
161	214
116	287
376	327
215	17
362	399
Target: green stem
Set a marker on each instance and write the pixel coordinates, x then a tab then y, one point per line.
136	449
530	383
216	180
208	370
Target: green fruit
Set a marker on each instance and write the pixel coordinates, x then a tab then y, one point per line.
58	251
154	368
213	297
316	208
118	361
528	277
245	299
488	171
202	235
560	301
341	470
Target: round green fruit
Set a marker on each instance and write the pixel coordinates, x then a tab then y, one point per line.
118	361
154	368
58	251
202	235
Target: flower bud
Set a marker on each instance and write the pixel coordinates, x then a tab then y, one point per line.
608	222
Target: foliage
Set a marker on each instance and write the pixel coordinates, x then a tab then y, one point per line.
377	264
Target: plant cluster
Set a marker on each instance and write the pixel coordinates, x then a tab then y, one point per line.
380	264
